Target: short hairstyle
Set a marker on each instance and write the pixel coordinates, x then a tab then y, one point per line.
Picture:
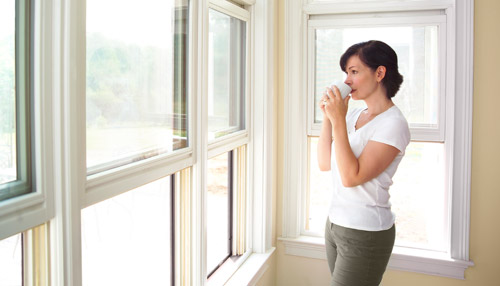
374	54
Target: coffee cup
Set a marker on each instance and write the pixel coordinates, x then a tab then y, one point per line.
343	88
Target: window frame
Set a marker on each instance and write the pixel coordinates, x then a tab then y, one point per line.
458	109
230	142
36	207
108	183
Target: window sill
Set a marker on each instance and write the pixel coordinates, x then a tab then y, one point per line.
403	258
251	270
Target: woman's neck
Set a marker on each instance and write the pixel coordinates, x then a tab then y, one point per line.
377	104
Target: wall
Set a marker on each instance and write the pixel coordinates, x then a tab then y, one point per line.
485	192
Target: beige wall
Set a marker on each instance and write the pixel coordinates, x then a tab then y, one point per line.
485	192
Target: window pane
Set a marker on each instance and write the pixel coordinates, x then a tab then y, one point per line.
136	80
15	99
126	240
217	211
8	148
11	261
318	197
226	75
419	196
416	48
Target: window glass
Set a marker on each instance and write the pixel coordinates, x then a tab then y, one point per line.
11	261
218	211
127	240
419	196
417	50
226	75
8	148
136	80
318	192
15	99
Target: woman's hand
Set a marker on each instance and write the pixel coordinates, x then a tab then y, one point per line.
332	104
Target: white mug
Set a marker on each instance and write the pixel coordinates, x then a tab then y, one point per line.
343	88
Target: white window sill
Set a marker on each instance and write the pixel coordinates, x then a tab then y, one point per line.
250	271
402	258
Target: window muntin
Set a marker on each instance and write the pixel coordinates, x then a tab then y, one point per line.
226	75
136	81
127	240
219	210
15	99
11	260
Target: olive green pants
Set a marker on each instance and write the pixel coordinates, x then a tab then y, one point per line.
357	257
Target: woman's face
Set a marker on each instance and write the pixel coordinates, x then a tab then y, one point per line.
360	78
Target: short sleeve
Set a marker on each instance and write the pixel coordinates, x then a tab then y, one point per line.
393	131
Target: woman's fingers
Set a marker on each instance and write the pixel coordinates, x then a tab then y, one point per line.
335	91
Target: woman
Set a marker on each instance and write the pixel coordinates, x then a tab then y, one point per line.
363	150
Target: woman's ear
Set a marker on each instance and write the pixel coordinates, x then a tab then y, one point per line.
380	73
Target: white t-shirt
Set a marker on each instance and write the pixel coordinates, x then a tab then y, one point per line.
367	206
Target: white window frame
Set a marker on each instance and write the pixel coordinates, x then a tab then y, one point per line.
23	212
458	129
258	135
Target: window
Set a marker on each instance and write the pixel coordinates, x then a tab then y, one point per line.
421	98
228	136
16	99
11	261
220	211
136	81
226	75
128	239
433	97
118	104
226	208
26	145
137	144
26	190
24	256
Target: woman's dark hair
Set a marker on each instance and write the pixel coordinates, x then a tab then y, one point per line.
375	54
